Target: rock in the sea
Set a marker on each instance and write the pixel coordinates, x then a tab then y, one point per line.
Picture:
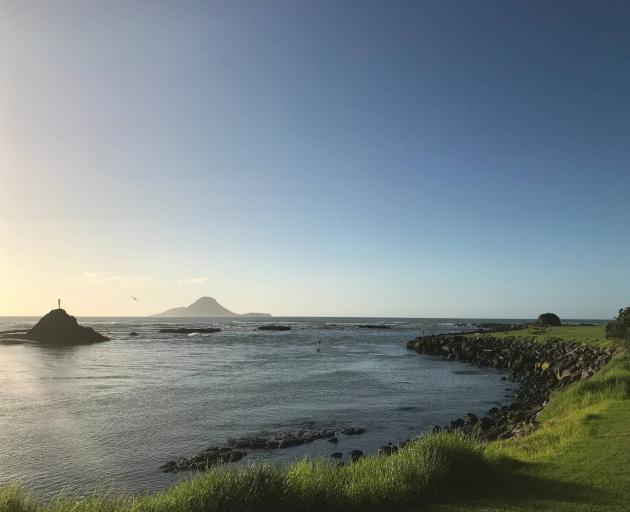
202	461
333	440
60	328
457	424
374	326
353	431
337	455
356	455
133	333
281	439
387	450
274	328
190	330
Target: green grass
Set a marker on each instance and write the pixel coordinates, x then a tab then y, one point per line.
590	334
578	460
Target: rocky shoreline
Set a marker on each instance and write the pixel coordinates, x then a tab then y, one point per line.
232	453
538	368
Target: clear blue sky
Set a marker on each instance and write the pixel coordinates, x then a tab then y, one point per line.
325	158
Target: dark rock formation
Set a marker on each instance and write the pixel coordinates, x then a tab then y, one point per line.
281	440
190	330
548	320
273	328
337	455
374	326
133	333
356	455
353	431
202	461
539	368
60	328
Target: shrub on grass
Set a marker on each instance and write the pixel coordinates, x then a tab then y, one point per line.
548	320
619	328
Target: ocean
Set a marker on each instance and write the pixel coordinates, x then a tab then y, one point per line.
106	416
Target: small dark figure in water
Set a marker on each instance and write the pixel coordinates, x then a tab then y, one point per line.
319	344
58	303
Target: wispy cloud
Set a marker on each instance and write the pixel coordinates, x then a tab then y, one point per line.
105	278
192	280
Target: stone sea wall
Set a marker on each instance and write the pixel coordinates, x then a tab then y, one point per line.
538	368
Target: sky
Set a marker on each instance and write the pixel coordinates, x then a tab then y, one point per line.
421	159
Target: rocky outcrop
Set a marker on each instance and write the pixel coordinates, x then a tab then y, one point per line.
190	330
273	328
281	440
204	460
60	328
233	453
539	368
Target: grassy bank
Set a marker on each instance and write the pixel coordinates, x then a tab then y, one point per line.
589	334
577	460
418	475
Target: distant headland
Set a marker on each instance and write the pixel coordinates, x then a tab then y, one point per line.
206	307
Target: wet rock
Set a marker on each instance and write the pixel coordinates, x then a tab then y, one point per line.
333	440
472	418
133	333
457	424
281	439
204	460
352	431
336	455
374	326
387	450
273	328
190	330
356	455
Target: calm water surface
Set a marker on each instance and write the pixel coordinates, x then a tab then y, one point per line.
108	415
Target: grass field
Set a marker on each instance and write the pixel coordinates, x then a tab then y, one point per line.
590	334
576	461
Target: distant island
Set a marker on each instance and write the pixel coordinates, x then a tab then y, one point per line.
206	307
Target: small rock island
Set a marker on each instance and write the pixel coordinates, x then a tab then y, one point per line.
60	328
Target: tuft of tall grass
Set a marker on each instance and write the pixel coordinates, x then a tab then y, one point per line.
413	477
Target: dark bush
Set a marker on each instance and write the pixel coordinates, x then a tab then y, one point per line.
620	327
548	320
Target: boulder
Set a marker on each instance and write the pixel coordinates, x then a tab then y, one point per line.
356	455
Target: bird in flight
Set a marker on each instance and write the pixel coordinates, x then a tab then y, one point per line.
134	298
